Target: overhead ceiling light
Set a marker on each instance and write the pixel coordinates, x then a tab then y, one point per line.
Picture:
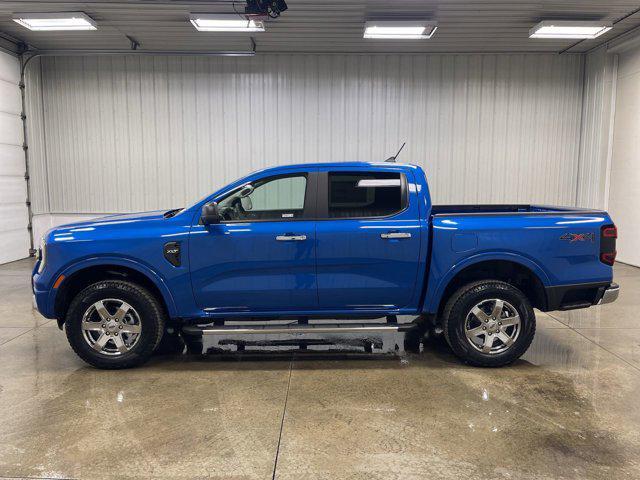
569	29
55	21
399	29
225	22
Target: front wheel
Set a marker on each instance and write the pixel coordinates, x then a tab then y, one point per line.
489	323
114	324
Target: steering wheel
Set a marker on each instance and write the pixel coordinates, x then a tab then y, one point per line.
233	211
228	213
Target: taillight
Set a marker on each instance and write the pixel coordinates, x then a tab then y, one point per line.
608	235
608	258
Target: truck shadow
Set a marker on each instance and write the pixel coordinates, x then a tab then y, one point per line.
433	352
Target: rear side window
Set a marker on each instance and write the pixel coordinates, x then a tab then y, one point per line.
365	195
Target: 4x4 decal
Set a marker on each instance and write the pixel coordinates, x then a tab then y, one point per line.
578	237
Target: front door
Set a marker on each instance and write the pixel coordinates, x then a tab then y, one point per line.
369	241
261	257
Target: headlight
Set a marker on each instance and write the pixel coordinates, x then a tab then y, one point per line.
42	254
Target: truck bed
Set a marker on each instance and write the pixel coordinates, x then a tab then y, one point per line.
506	209
563	251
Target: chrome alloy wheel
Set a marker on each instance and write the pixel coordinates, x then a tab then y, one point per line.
111	326
492	326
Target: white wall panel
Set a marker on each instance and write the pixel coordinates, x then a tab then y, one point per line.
624	199
14	235
137	133
597	128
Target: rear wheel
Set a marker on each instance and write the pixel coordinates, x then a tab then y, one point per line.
114	324
489	323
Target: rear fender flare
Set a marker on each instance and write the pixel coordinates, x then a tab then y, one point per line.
433	301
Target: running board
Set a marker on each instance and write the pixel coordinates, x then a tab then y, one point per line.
295	329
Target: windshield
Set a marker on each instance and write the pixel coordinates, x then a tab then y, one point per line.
236	185
202	199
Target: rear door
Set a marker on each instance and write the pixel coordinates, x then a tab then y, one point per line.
368	239
261	257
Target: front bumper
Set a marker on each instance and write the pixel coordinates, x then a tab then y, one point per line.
41	296
610	294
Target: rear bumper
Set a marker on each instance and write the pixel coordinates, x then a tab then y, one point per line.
610	294
581	295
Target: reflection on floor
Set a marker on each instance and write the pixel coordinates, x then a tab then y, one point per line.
569	409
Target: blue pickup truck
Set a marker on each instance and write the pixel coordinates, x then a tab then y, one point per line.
322	241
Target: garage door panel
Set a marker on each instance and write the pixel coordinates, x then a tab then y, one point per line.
15	245
10	68
10	129
13	217
11	160
13	190
10	101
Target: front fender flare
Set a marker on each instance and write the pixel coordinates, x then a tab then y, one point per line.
133	264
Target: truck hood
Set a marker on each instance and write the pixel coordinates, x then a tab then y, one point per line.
126	218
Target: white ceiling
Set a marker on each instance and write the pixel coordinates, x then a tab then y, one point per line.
324	26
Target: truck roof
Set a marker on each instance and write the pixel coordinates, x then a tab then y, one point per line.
345	164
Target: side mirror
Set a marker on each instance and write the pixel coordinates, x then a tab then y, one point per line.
210	214
246	190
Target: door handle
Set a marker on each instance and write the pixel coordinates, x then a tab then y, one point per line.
392	235
291	238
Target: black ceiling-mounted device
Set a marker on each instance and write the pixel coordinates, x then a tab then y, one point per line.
270	8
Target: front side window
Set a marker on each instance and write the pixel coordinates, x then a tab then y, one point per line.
366	194
273	198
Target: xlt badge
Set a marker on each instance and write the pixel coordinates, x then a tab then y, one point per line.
172	253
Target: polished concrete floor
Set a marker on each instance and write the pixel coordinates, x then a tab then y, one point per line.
569	409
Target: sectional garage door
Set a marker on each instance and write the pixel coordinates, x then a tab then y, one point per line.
14	236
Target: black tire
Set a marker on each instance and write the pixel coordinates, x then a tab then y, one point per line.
459	306
152	320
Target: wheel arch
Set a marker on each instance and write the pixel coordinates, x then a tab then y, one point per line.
83	274
519	271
